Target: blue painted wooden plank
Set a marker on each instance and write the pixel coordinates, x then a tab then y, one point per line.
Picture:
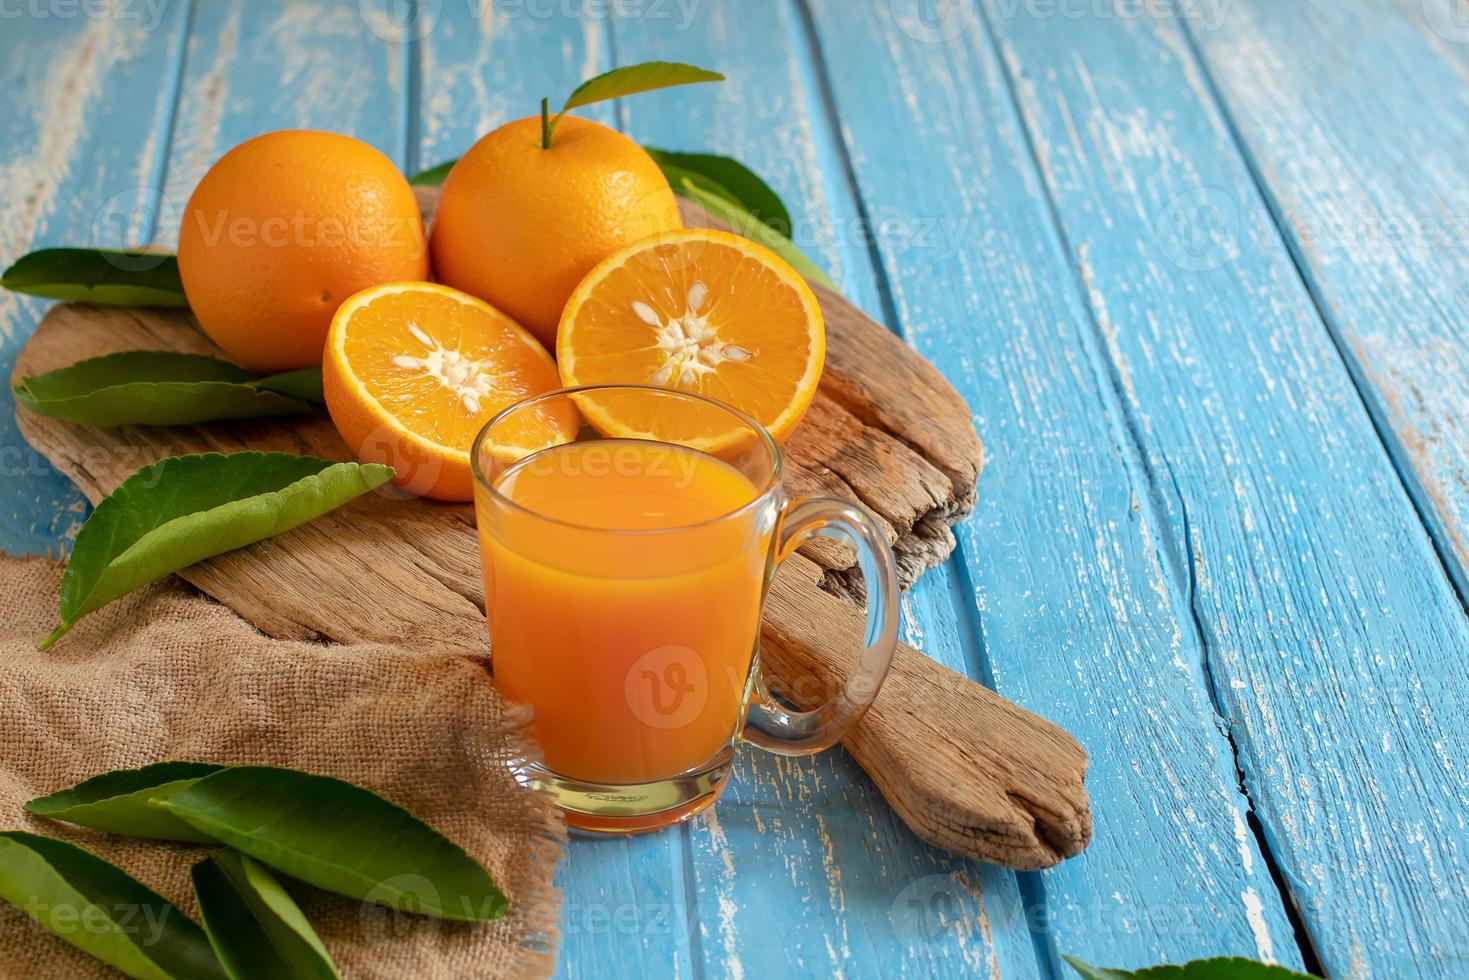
88	99
626	902
487	64
1333	639
1080	614
803	867
1359	138
254	67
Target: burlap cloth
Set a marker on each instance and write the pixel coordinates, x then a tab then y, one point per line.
169	674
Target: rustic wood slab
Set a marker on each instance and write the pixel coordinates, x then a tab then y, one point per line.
966	769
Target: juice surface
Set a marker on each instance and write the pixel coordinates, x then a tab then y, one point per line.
629	619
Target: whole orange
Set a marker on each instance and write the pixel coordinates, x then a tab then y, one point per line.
519	225
282	229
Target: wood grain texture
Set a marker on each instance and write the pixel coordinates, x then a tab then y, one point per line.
1073	584
1068	579
626	902
968	771
1386	258
897	439
934	726
254	67
78	153
1334	642
802	869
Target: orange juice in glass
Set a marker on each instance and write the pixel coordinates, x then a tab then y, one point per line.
624	579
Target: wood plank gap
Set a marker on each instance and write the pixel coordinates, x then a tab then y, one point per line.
410	82
1397	453
610	61
971	633
1032	884
816	74
825	109
1178	556
1305	941
684	872
1033	896
173	82
693	935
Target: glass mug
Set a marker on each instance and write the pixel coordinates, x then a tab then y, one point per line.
624	581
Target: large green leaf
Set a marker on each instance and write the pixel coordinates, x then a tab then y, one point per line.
340	837
117	801
145	387
1220	968
743	222
102	910
183	509
730	178
632	79
98	275
256	928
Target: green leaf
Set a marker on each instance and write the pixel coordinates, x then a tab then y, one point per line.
111	277
183	509
1220	968
632	79
145	387
433	176
340	837
117	801
741	221
731	179
304	384
256	928
102	910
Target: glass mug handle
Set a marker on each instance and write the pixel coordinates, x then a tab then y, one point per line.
769	724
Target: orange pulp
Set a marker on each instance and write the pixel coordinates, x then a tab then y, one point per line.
623	594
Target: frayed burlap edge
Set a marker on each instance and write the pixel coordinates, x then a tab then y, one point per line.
142	645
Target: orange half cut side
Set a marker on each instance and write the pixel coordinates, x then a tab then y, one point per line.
414	370
695	310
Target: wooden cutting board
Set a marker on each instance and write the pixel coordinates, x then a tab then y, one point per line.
967	770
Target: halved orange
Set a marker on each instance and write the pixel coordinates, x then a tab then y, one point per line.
413	370
695	310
